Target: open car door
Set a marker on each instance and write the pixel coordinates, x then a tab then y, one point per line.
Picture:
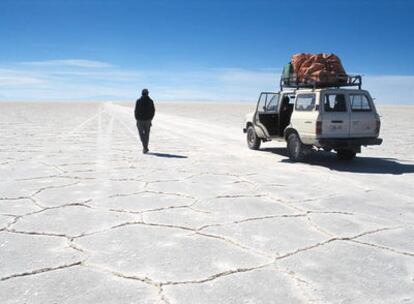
267	116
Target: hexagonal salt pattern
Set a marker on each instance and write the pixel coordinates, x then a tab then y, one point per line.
85	217
23	254
165	254
77	285
353	273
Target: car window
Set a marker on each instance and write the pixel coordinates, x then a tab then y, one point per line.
262	103
335	103
268	102
272	102
359	103
305	102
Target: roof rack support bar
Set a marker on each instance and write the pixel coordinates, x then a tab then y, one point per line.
349	81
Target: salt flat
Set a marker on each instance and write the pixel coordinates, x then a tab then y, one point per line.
86	218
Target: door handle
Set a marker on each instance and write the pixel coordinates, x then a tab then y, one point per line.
308	122
337	121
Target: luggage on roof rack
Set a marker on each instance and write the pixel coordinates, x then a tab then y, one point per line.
316	70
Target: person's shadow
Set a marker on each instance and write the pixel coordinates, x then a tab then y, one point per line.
361	164
166	155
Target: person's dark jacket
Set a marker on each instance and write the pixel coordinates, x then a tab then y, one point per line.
144	108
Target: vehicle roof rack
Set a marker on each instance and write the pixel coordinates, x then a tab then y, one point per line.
339	81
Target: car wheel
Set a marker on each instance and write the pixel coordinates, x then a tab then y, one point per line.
253	141
345	154
296	149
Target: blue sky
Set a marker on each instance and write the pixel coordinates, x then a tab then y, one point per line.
196	50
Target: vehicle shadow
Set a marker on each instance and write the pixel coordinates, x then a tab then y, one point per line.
166	155
361	164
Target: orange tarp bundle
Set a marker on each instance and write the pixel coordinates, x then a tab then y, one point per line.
321	68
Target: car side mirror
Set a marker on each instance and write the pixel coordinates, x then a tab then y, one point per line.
317	108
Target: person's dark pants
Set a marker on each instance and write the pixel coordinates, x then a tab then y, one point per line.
144	127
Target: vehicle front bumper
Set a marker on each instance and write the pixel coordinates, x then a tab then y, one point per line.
336	143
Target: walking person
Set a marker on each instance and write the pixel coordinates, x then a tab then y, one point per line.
144	113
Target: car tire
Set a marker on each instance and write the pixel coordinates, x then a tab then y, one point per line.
295	148
345	154
253	141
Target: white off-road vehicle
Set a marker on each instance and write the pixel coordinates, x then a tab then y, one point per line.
311	118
